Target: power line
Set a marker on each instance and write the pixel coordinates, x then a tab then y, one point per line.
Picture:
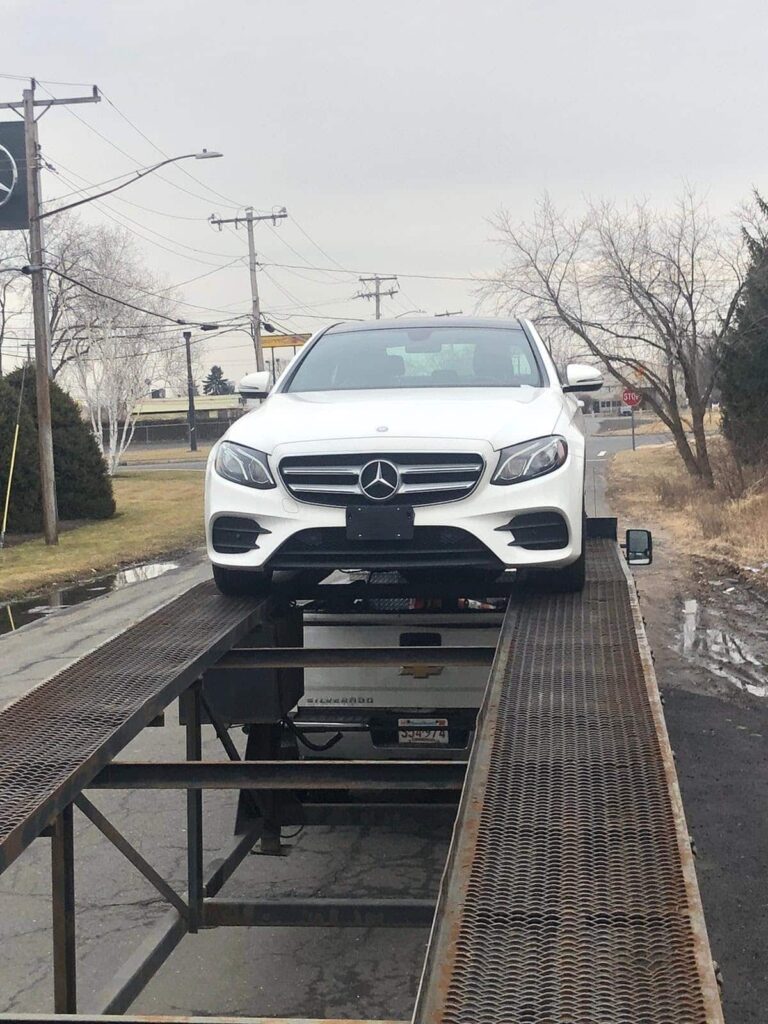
227	199
421	277
144	227
133	159
29	78
158	295
111	298
318	247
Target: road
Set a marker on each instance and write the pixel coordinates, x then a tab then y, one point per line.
363	973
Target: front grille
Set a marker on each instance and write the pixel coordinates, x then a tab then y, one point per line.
431	547
538	531
425	478
234	535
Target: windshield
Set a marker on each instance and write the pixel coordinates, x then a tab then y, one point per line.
421	357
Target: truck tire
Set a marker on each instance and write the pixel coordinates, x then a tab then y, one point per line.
241	583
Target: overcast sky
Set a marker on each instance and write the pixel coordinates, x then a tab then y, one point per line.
391	132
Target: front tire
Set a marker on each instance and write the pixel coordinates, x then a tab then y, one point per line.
240	583
568	580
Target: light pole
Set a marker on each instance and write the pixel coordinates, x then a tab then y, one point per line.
191	420
43	370
190	394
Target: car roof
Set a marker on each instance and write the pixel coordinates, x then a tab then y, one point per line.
411	322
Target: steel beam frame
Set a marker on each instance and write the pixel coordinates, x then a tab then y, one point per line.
268	776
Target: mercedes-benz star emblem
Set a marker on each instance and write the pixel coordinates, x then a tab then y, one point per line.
379	480
9	175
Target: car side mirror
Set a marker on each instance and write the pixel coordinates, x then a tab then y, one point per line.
639	547
580	377
254	385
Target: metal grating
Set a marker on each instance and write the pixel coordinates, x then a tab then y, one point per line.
569	896
55	739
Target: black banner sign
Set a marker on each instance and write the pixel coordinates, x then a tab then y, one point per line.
13	177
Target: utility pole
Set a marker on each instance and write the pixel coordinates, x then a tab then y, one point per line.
377	280
249	220
43	368
190	394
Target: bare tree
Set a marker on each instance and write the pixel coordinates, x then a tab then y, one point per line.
123	352
71	251
650	294
12	297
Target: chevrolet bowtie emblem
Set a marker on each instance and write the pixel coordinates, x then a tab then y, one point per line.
421	671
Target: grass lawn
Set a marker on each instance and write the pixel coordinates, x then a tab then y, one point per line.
170	454
712	424
652	487
158	514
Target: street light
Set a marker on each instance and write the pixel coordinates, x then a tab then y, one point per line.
204	154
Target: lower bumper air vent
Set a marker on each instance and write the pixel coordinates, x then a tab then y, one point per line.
431	547
538	531
235	535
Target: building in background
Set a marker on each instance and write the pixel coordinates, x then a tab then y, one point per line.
279	350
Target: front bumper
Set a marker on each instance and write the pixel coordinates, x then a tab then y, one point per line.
482	515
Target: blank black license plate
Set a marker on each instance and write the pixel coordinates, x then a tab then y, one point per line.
373	522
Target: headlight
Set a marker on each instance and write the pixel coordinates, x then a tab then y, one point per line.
243	465
530	459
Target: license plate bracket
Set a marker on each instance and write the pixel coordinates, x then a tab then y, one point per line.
380	522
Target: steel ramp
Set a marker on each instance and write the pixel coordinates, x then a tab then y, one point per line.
56	738
569	895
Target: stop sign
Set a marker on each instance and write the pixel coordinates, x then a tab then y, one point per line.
630	397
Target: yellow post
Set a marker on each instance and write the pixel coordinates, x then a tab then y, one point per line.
10	481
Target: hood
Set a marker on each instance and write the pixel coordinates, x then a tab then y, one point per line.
499	416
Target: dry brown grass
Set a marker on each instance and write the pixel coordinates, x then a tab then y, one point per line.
157	514
652	486
712	423
170	454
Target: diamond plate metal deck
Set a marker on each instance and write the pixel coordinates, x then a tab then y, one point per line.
569	895
55	738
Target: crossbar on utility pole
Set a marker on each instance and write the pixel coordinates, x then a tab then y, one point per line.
377	280
249	220
43	366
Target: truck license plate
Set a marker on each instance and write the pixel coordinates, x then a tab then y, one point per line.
430	732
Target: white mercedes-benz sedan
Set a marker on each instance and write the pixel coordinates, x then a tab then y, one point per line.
427	446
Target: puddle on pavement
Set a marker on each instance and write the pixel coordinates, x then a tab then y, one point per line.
15	614
726	633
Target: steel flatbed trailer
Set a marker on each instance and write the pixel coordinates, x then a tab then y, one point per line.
569	894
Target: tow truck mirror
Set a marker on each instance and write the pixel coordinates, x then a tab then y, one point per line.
639	547
254	385
580	377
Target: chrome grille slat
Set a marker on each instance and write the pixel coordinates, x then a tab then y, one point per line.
327	488
454	486
425	477
407	470
320	470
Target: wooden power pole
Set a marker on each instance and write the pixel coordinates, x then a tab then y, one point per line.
249	220
377	293
43	366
